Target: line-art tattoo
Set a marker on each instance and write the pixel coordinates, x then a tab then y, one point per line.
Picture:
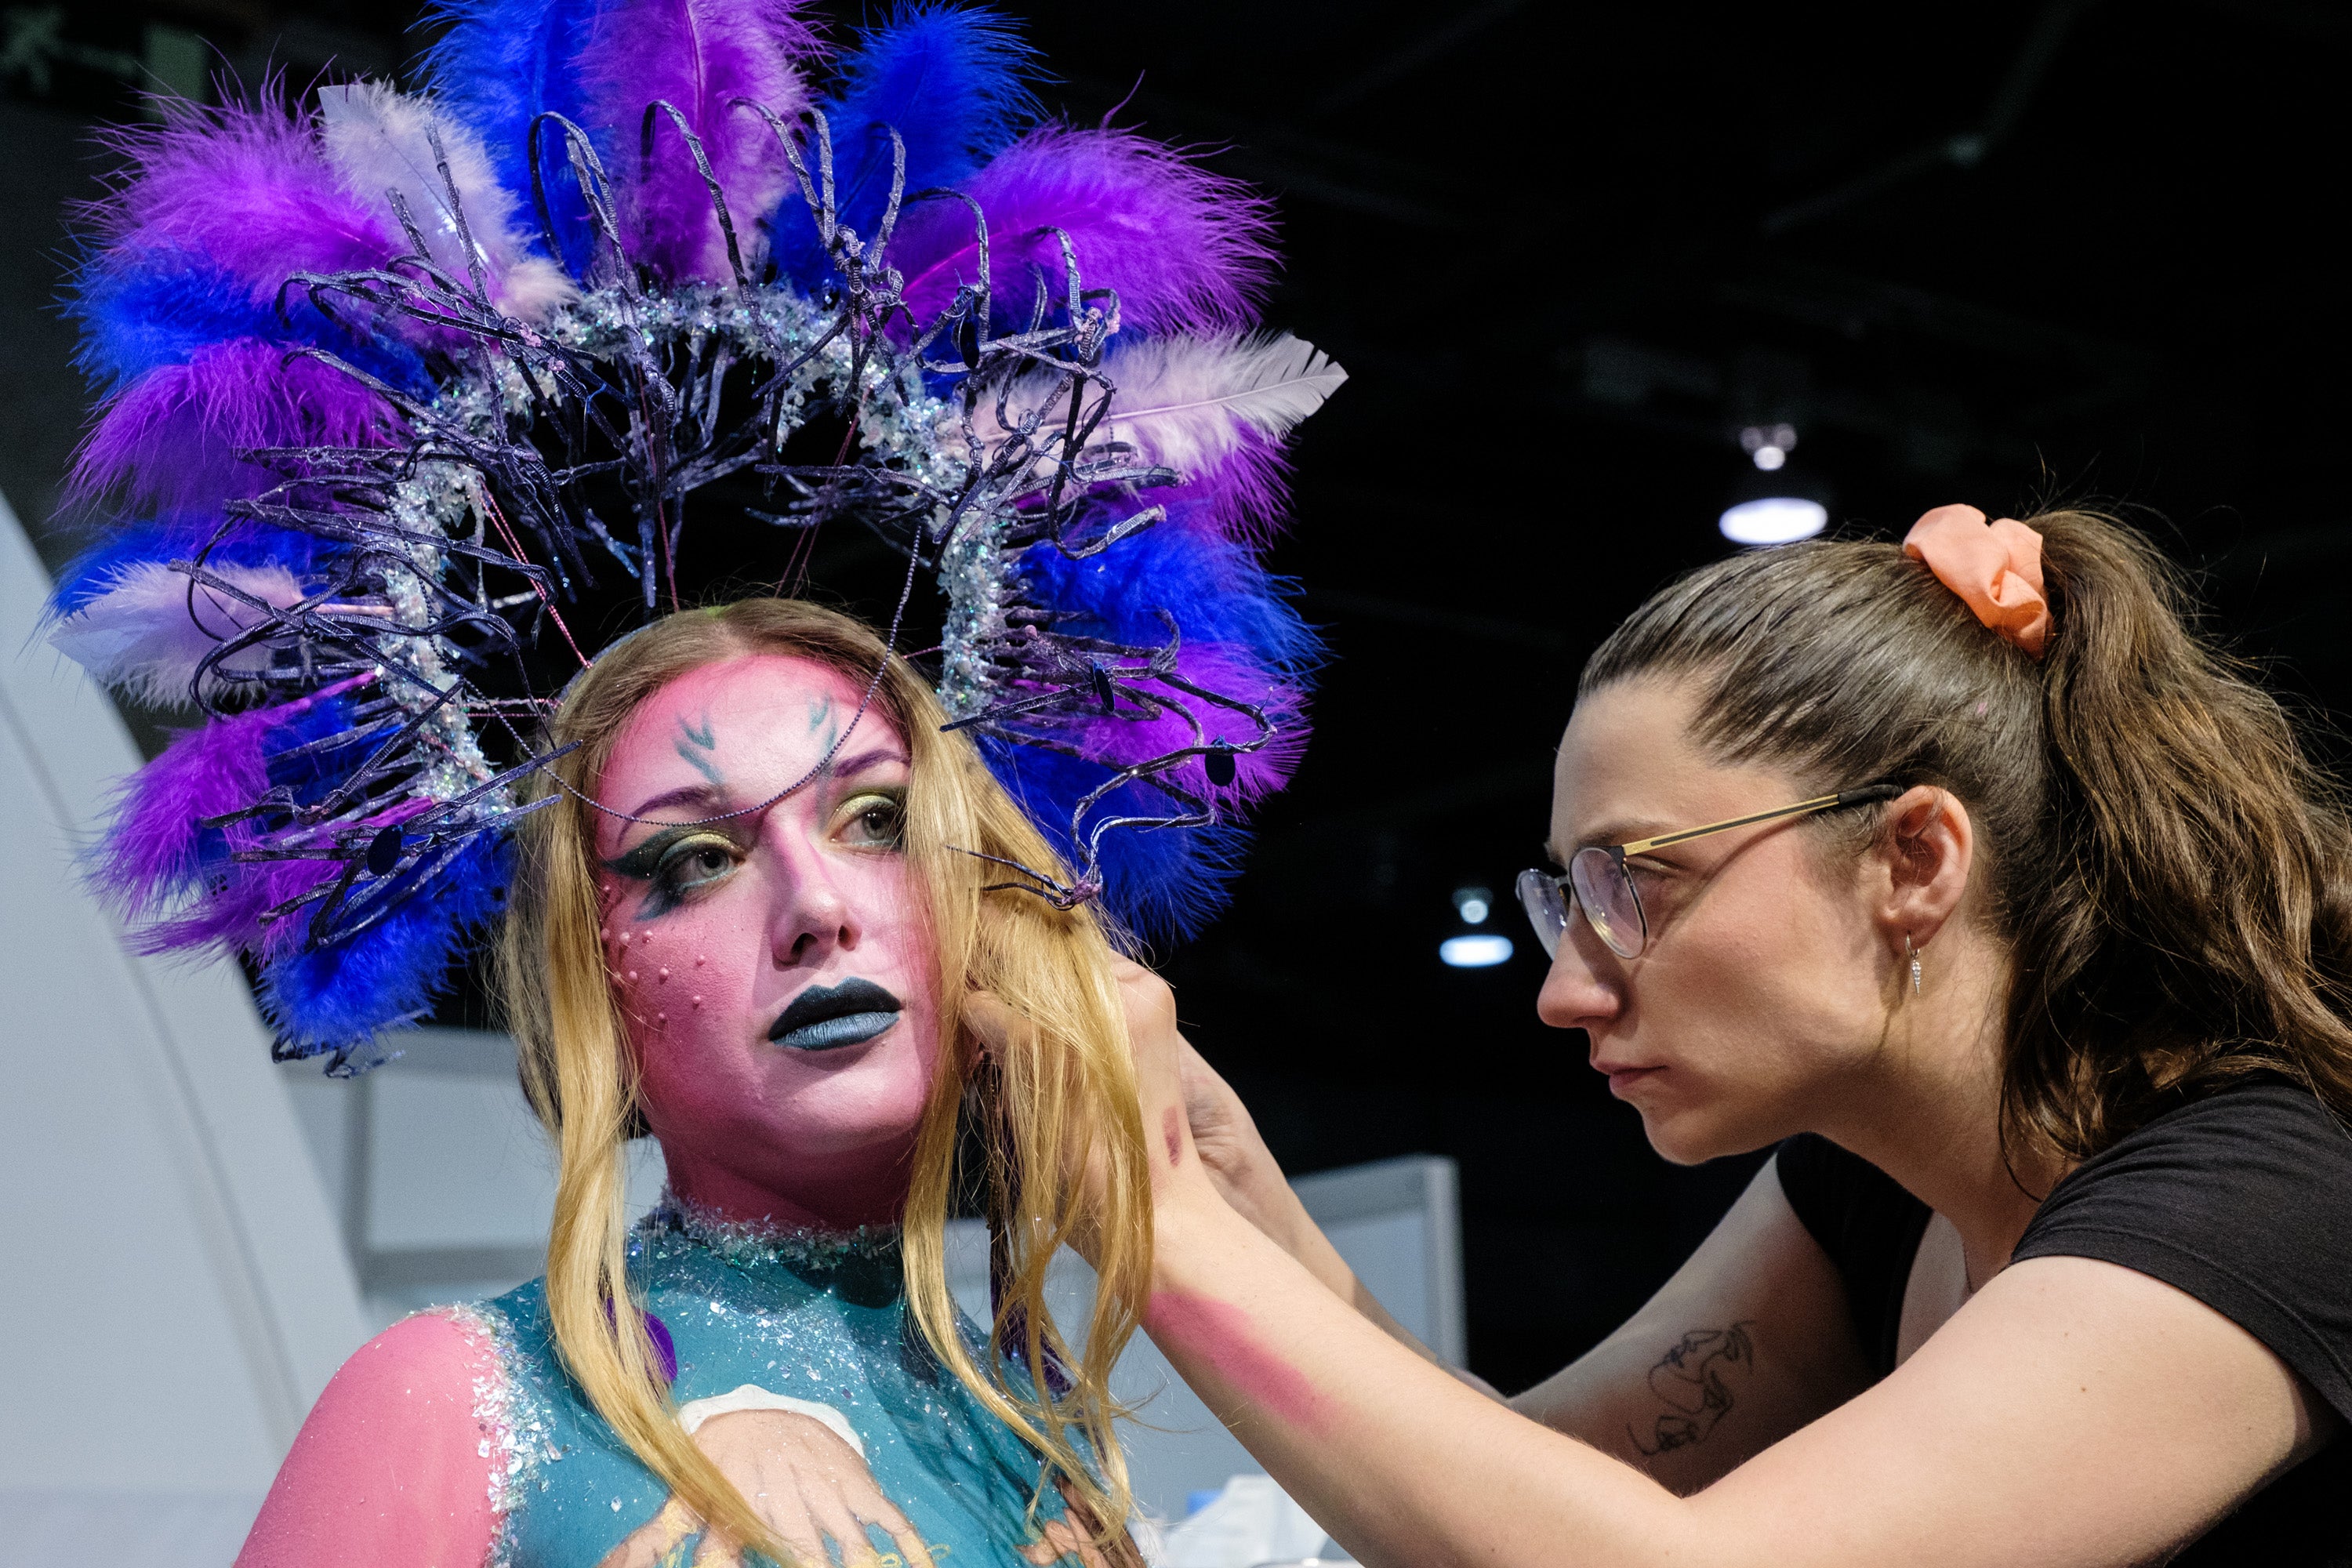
695	746
1689	1379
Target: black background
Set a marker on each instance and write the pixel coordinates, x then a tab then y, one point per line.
2005	253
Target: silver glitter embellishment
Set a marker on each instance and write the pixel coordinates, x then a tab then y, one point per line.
757	1242
513	1423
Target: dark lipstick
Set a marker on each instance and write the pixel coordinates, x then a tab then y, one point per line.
828	1018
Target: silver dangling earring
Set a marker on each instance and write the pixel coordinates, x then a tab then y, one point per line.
1913	953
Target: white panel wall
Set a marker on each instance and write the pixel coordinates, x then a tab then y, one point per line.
176	1291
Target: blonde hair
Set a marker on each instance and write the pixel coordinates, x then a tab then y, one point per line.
1058	1097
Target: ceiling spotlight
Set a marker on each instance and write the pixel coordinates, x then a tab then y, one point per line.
1768	446
1773	520
1473	905
1478	950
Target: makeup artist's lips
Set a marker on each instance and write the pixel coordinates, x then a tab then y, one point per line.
828	1017
1622	1079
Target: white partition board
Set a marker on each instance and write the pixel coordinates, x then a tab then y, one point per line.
177	1289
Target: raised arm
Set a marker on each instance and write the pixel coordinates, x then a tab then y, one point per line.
1746	1343
2073	1412
388	1471
1749	1341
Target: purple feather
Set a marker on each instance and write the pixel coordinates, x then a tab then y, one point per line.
227	914
1228	672
172	438
1246	496
1187	250
150	850
154	847
247	189
699	56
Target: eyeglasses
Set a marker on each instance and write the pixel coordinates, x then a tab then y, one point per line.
1604	887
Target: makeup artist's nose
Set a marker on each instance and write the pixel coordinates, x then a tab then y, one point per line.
1585	986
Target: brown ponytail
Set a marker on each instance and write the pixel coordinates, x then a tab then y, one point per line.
2172	874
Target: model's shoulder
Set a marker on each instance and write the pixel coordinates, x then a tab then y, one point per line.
390	1469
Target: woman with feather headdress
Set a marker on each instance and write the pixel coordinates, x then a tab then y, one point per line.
395	386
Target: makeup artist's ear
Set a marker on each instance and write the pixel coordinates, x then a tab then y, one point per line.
1918	869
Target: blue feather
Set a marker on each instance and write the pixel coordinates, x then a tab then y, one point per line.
389	974
1214	587
1162	885
139	308
179	538
501	64
950	80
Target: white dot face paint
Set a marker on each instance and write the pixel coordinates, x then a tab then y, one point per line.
792	1086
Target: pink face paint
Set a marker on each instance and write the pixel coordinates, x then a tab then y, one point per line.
1219	1334
809	895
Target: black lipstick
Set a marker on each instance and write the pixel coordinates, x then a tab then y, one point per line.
828	1018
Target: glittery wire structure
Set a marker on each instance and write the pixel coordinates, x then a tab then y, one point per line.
427	556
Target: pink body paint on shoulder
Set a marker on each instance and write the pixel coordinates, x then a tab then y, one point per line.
1219	1333
388	1471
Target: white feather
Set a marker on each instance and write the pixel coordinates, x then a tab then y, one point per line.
1187	402
375	138
138	637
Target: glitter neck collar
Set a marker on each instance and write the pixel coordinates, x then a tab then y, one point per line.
755	1242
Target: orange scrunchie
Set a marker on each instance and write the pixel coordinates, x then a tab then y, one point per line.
1996	570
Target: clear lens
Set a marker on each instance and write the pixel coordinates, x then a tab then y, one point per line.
1606	892
1547	908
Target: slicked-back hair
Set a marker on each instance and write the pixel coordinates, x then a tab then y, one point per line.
2170	870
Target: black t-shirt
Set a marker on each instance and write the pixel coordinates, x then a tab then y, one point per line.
2243	1200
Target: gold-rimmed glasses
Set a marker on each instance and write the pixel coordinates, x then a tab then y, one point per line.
1603	887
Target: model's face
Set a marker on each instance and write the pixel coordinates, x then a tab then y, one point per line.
1759	998
776	969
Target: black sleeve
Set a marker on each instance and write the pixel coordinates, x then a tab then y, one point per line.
2244	1201
1867	1224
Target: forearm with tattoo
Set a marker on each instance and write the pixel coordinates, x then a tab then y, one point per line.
1690	1378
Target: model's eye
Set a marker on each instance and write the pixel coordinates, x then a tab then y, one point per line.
875	820
692	863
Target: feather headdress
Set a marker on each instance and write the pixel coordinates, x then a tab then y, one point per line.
370	368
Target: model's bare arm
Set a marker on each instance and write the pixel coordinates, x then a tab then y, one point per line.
389	1470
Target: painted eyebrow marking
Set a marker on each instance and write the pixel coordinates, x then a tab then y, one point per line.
695	745
846	766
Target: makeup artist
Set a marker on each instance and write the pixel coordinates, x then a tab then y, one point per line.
2017	919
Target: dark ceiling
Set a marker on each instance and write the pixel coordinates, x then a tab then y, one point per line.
2006	253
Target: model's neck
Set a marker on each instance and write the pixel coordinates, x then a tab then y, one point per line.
852	1195
1927	1110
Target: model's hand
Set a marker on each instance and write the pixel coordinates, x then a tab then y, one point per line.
806	1485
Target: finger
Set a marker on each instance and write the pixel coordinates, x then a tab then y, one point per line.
877	1509
992	1025
650	1541
788	1515
848	1533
